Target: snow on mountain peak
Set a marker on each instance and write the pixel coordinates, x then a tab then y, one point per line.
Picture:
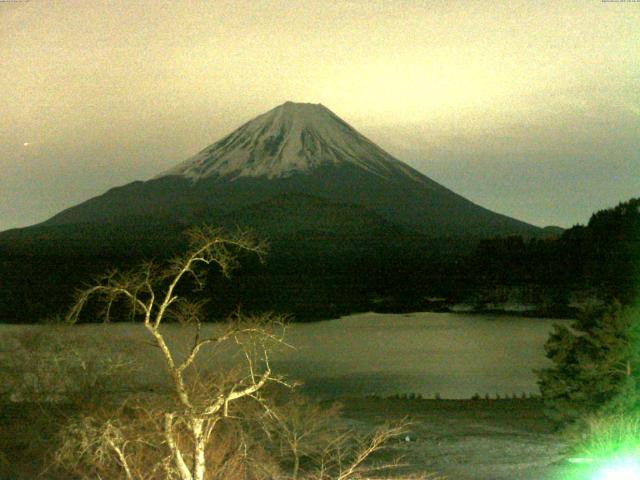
291	138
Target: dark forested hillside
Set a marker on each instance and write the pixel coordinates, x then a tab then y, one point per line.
604	254
315	272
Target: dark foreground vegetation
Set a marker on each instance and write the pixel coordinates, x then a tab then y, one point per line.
315	273
245	421
453	439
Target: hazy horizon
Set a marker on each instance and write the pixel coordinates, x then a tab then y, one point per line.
530	110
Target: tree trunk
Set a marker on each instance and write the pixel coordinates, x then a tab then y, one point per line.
199	441
296	465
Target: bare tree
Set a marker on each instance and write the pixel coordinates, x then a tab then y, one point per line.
171	439
152	294
308	431
301	428
343	458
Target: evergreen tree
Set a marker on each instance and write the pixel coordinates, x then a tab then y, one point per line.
596	365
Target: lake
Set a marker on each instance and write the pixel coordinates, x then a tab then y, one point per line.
448	354
451	355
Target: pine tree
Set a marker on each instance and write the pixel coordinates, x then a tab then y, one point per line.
596	365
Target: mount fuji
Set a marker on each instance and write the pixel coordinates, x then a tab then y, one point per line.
300	166
346	222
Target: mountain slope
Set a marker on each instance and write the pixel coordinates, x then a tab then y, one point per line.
300	149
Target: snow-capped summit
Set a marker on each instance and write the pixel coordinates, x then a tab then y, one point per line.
291	138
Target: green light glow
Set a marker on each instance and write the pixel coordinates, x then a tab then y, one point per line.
623	469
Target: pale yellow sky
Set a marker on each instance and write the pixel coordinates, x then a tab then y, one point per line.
530	108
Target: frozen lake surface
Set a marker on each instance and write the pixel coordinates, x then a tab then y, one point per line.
453	355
